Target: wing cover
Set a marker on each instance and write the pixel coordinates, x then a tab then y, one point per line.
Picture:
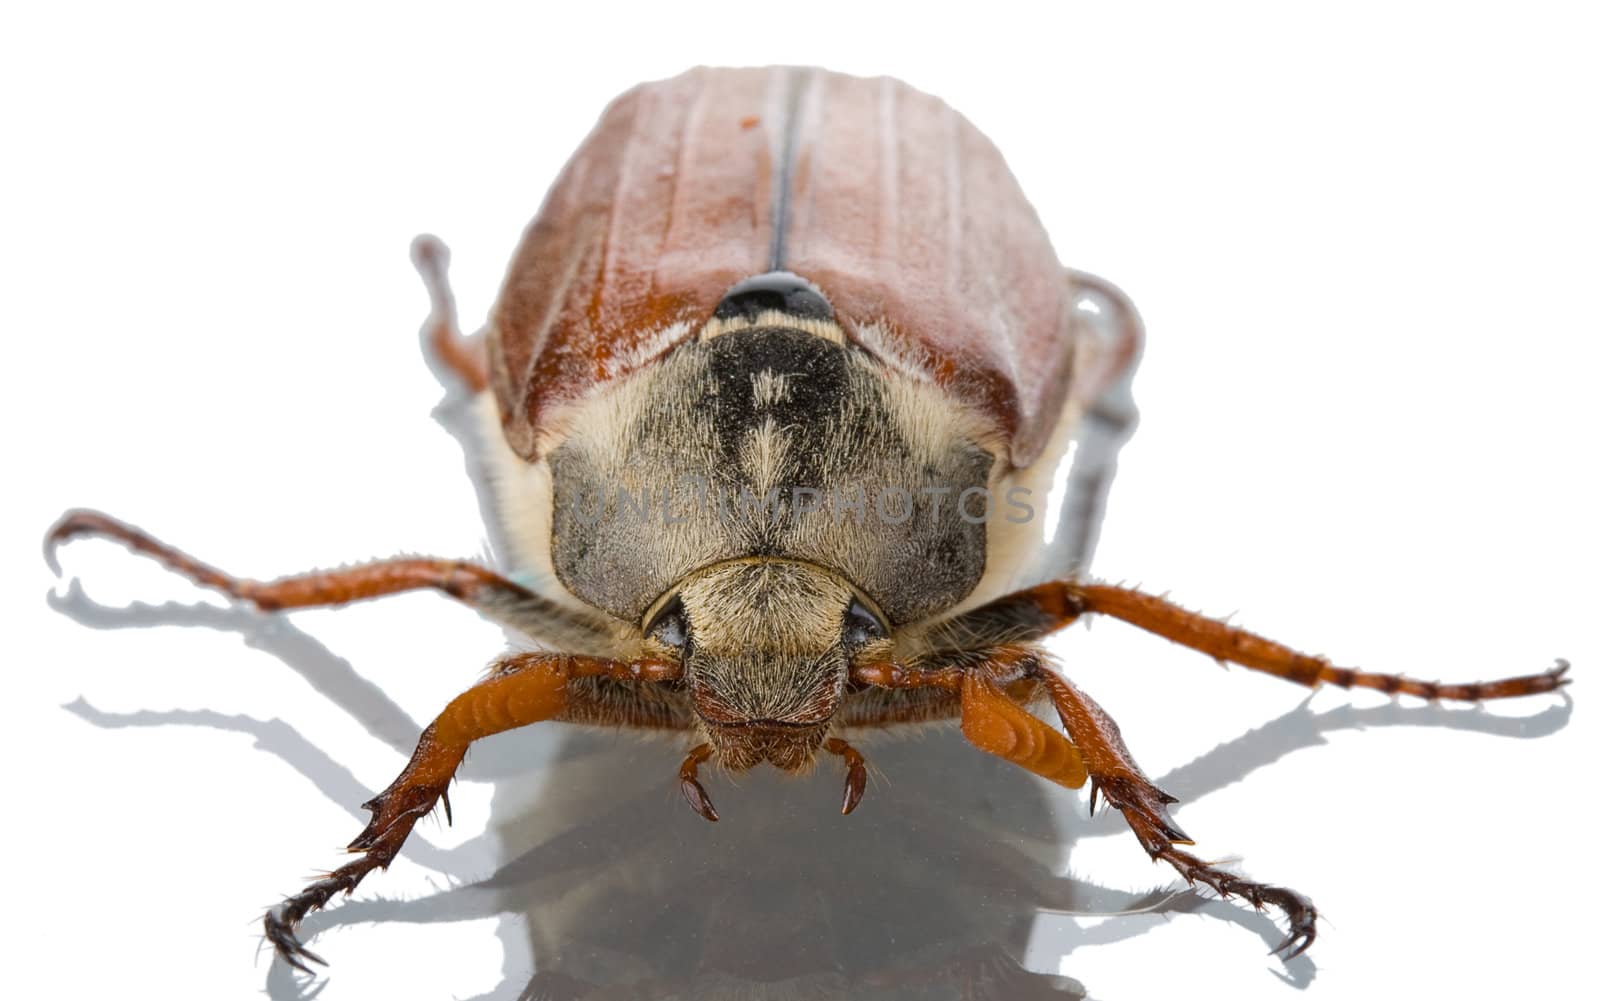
895	206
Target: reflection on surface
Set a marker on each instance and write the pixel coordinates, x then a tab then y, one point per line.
608	886
613	888
929	893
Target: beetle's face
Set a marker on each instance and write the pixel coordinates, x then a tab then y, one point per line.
766	647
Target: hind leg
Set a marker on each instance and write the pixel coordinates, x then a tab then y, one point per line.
464	358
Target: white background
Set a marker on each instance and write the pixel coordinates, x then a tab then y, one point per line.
1364	244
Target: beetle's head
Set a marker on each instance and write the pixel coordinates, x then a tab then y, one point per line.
766	647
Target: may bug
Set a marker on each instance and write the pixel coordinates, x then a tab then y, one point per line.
772	395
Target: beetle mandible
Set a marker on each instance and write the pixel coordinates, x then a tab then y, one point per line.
771	378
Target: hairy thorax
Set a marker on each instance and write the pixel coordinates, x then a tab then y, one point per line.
769	440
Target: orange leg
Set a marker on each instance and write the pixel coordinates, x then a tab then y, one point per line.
1051	606
523	689
464	357
1119	779
984	650
993	722
991	719
478	587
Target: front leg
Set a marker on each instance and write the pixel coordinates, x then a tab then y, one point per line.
1114	774
993	722
991	719
521	689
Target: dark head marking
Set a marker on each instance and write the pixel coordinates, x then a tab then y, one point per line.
780	290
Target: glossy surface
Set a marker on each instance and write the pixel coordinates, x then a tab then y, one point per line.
1337	425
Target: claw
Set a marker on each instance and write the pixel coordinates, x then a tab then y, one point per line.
1302	926
1145	808
1296	942
303	953
288	946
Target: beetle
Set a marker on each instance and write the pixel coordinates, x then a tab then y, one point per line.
772	378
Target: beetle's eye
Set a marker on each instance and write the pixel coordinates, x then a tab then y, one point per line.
861	626
669	627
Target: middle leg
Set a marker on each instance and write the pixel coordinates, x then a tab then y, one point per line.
1032	614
